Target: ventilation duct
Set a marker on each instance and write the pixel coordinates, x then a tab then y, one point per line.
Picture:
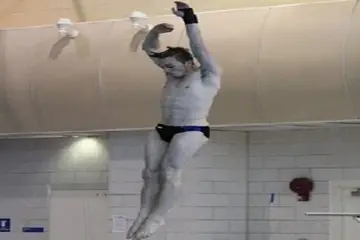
281	64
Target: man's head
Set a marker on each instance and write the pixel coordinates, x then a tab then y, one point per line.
176	61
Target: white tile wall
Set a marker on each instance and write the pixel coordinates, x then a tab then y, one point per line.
214	204
28	166
213	201
276	158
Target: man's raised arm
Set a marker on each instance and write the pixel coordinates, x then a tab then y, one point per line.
151	43
197	45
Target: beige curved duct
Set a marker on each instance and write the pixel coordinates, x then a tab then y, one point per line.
280	64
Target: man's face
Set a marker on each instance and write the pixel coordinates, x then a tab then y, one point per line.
174	67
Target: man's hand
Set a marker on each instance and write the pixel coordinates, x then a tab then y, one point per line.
163	28
179	7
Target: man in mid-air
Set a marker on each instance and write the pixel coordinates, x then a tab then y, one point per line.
186	100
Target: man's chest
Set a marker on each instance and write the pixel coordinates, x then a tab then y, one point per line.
186	89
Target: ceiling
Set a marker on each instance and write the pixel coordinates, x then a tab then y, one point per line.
23	13
281	64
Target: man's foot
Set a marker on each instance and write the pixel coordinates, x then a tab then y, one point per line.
134	227
149	227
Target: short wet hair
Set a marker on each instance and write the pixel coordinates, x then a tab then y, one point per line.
179	53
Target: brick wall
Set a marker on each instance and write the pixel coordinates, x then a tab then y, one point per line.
29	167
214	200
275	158
213	203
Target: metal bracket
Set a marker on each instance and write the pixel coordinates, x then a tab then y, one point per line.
355	216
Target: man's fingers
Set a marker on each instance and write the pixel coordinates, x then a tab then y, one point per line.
168	25
177	13
163	28
181	5
164	25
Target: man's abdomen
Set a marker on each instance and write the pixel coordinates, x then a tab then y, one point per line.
186	107
173	115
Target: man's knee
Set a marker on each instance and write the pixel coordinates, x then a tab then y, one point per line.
172	175
148	174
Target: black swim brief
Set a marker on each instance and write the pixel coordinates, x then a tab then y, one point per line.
168	132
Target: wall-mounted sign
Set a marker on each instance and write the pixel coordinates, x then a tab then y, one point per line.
5	224
119	224
356	193
33	229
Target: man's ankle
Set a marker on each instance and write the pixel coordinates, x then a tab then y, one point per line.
143	213
156	218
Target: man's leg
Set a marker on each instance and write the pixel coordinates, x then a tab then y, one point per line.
182	147
155	150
